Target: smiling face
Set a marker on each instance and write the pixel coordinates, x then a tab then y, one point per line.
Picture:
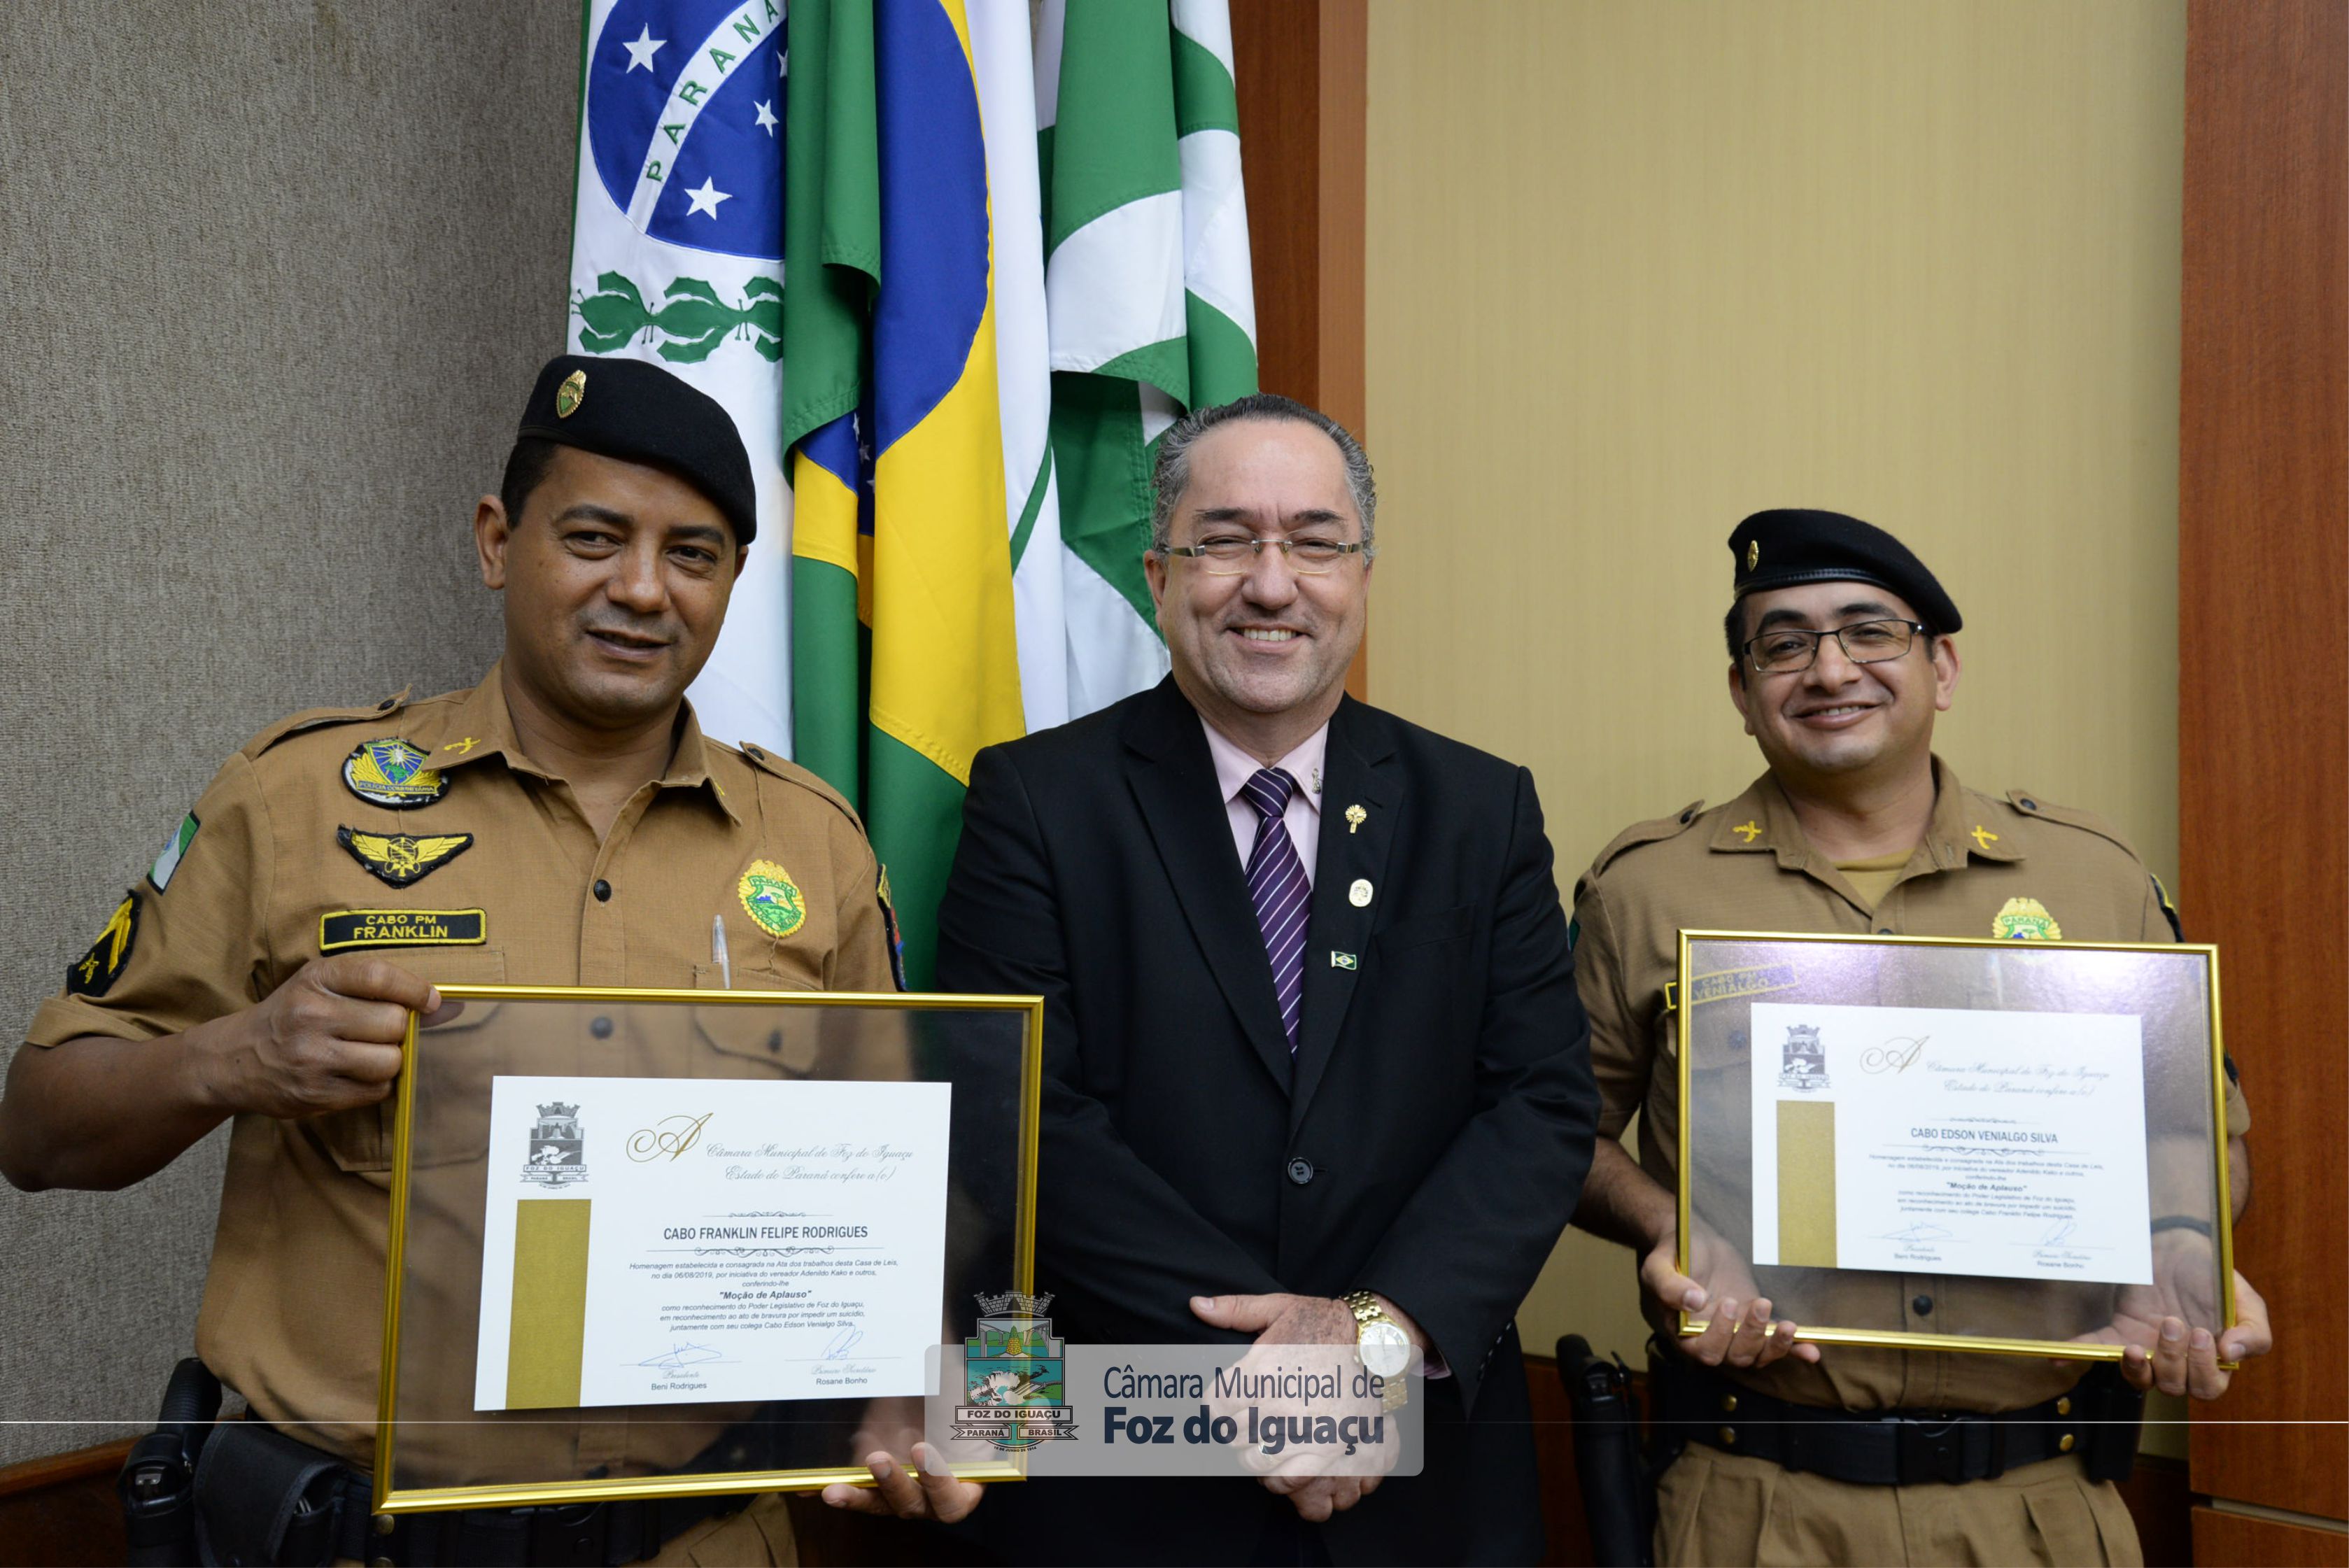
1838	720
1264	652
616	579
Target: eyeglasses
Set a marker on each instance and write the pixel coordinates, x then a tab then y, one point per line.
1236	554
1789	648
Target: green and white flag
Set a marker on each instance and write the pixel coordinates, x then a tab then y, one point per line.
1003	65
1148	297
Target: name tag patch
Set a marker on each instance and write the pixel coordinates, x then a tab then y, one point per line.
341	930
1725	985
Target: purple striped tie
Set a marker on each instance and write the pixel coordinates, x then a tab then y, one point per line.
1278	888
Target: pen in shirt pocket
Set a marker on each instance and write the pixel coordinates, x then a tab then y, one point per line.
718	953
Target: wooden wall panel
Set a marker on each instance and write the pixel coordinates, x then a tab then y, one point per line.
2263	691
1301	69
2221	1539
60	1511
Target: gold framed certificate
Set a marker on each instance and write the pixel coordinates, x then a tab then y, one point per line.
651	1244
2016	1148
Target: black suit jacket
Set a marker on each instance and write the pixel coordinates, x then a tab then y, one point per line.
1428	1142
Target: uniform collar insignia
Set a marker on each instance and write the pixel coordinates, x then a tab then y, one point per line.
477	726
473	727
1759	819
1965	824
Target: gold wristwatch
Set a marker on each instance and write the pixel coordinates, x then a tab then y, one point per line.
1383	1347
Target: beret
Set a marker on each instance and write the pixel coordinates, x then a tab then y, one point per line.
641	413
1790	545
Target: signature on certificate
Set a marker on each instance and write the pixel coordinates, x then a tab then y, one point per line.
1919	1235
684	1353
847	1340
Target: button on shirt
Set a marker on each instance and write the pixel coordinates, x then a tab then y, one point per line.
292	1304
1234	767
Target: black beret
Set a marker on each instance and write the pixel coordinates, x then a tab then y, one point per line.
1789	545
627	409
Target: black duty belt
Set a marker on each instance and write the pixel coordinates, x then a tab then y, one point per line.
577	1535
242	1492
2097	1420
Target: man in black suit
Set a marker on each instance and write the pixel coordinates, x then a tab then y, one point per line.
1314	1062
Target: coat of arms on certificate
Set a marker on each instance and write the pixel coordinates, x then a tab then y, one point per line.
555	1147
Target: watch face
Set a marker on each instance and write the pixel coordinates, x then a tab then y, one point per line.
1385	1348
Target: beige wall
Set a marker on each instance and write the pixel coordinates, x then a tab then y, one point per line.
277	280
1638	267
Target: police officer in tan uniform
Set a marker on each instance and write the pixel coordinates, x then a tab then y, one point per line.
1841	656
564	822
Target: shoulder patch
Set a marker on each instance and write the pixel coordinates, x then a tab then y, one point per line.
2169	913
318	718
2038	805
1647	832
158	875
890	933
93	974
791	772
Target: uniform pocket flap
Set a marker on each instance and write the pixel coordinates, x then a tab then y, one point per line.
360	1140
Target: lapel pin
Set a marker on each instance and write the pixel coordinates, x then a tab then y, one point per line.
1358	895
1355	818
1341	960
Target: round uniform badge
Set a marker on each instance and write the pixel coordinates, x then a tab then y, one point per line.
770	898
391	772
2025	920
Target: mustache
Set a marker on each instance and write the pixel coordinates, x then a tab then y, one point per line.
653	630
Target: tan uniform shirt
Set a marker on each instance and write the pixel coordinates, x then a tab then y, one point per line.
292	1313
1747	866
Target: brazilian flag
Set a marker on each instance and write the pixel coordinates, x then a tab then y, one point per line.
903	653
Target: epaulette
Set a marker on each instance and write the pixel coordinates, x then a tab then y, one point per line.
790	772
2032	805
317	718
1647	832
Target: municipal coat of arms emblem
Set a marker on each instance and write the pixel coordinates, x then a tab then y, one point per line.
1013	1369
1803	1060
558	1148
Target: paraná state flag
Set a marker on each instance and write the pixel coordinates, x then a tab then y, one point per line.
677	257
